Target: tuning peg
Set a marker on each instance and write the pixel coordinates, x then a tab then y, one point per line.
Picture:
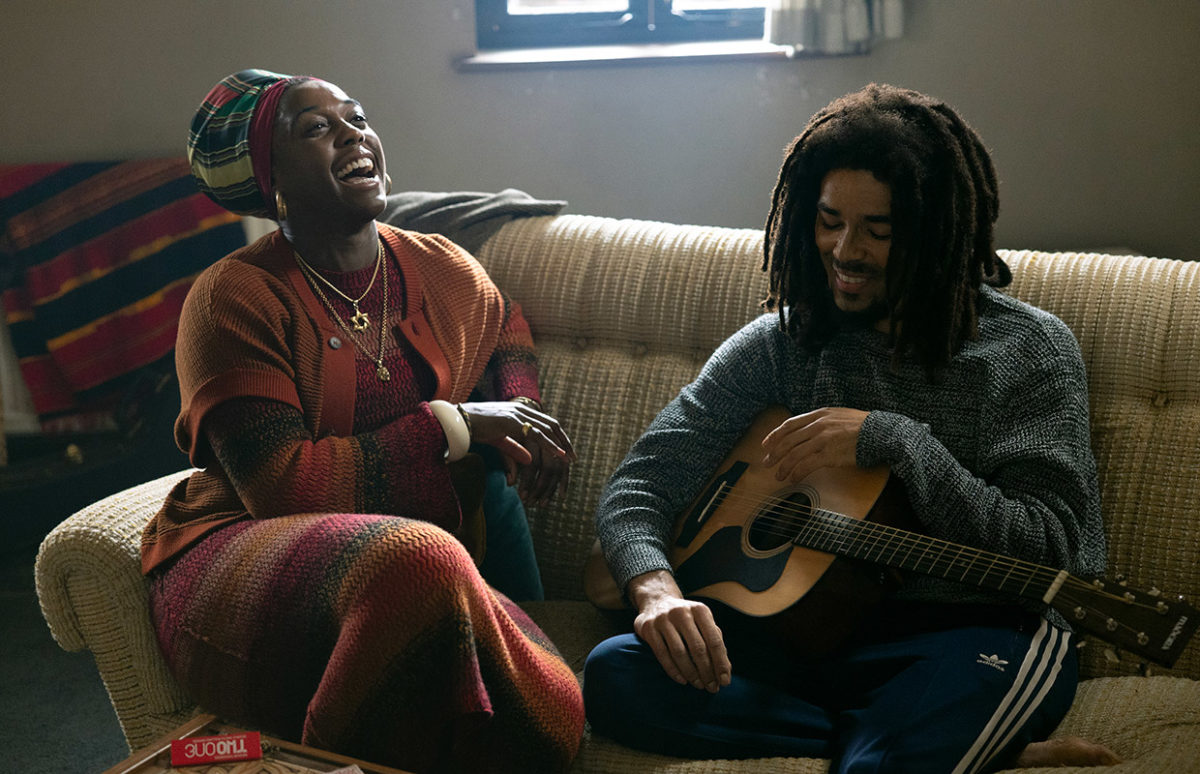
1079	613
1162	607
1129	596
1111	624
1111	656
1120	579
1143	638
1154	592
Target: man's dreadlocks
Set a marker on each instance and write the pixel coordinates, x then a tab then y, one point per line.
944	206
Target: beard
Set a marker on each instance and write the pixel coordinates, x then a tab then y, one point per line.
860	318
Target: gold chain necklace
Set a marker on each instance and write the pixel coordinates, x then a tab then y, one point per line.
360	320
381	370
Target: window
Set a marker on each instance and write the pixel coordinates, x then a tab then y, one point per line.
540	23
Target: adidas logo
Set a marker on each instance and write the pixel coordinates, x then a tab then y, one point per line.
994	661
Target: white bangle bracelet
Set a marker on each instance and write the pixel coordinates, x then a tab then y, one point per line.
458	438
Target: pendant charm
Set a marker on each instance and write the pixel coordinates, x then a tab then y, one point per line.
360	322
383	374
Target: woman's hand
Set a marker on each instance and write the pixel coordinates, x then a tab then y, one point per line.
537	453
682	633
827	437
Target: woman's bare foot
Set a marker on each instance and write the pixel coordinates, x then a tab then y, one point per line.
1066	751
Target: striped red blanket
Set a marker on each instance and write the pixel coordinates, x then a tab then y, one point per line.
95	260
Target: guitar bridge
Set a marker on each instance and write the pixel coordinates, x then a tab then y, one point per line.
708	501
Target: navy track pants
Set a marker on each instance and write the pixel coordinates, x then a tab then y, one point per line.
897	698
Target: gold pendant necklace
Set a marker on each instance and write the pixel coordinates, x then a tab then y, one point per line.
381	371
360	321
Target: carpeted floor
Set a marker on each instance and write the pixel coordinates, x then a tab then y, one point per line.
54	713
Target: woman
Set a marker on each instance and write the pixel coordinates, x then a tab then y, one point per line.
306	580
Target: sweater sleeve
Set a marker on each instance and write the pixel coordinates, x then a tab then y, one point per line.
666	468
278	468
1032	490
512	369
233	340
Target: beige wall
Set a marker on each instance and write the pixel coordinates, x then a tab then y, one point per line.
1090	106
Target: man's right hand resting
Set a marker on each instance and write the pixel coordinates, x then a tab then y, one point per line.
682	633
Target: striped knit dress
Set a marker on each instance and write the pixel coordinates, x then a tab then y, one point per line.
366	631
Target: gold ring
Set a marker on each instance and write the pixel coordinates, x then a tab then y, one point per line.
525	428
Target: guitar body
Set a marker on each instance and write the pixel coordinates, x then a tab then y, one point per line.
738	550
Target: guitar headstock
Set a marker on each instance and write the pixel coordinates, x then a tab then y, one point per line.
1149	624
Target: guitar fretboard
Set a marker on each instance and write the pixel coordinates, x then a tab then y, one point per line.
834	533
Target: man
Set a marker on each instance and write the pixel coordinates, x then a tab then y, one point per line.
888	346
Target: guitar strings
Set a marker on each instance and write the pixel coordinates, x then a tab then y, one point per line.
838	526
837	531
816	528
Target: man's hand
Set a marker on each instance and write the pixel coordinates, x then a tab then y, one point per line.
682	633
827	437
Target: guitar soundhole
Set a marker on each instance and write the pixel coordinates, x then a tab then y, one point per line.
778	524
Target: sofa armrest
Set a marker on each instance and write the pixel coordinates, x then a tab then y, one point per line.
94	597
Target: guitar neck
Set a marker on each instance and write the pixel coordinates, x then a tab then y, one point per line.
881	544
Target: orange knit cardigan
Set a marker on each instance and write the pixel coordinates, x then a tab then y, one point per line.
252	327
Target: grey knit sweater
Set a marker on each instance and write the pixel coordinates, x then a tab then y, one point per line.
994	454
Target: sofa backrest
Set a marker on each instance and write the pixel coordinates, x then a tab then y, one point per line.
625	312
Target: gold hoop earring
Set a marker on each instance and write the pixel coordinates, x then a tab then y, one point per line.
388	180
280	206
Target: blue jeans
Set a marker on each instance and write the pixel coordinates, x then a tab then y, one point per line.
947	699
509	564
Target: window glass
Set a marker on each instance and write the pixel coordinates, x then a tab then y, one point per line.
714	5
544	23
566	6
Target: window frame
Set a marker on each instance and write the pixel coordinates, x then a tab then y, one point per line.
497	29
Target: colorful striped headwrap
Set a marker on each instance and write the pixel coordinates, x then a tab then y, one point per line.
229	144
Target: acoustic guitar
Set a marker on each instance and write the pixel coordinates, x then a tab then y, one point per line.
825	549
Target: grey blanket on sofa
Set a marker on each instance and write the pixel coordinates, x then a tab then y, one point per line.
466	218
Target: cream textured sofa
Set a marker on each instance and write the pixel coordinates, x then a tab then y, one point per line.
624	313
